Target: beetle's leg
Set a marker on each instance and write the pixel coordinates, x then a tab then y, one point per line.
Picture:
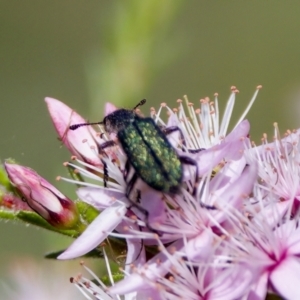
126	170
101	148
129	188
104	145
135	204
105	173
189	161
171	129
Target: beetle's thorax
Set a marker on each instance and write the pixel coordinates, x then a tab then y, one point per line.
118	120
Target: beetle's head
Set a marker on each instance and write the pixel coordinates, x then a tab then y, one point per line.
118	120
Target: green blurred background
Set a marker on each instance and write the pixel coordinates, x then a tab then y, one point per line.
88	52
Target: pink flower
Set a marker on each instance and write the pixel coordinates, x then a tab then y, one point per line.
82	142
42	197
207	247
274	252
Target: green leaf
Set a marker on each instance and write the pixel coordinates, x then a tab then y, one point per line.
87	212
4	181
34	219
74	175
116	277
8	214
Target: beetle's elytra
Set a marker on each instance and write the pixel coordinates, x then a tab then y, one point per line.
148	150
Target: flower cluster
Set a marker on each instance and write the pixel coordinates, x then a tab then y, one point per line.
231	233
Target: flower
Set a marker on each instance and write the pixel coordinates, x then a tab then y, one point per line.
272	237
42	197
114	196
205	232
230	232
81	143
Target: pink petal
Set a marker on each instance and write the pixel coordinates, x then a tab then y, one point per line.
209	158
286	278
135	254
96	232
227	175
99	197
34	187
199	248
240	131
236	192
273	213
259	289
234	285
132	283
234	141
43	197
109	108
231	149
293	242
147	273
80	142
152	202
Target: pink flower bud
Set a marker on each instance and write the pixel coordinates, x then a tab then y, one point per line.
42	197
13	202
80	142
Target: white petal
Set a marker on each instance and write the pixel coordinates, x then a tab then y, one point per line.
286	278
235	193
227	175
259	289
200	247
294	241
96	232
131	296
99	197
209	158
240	131
135	254
273	213
155	206
149	272
130	284
232	283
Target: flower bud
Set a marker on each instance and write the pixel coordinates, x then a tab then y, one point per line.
81	142
42	197
13	202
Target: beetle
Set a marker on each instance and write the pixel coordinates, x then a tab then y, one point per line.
147	148
148	152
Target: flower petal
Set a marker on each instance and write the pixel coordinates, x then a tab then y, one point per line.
96	232
199	248
155	267
42	197
286	278
99	197
81	142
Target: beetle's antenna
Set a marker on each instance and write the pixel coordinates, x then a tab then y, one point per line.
142	102
75	126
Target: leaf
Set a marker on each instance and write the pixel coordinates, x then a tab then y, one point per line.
34	219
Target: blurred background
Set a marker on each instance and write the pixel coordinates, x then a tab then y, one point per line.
88	52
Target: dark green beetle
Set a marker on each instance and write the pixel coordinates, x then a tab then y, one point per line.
148	150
